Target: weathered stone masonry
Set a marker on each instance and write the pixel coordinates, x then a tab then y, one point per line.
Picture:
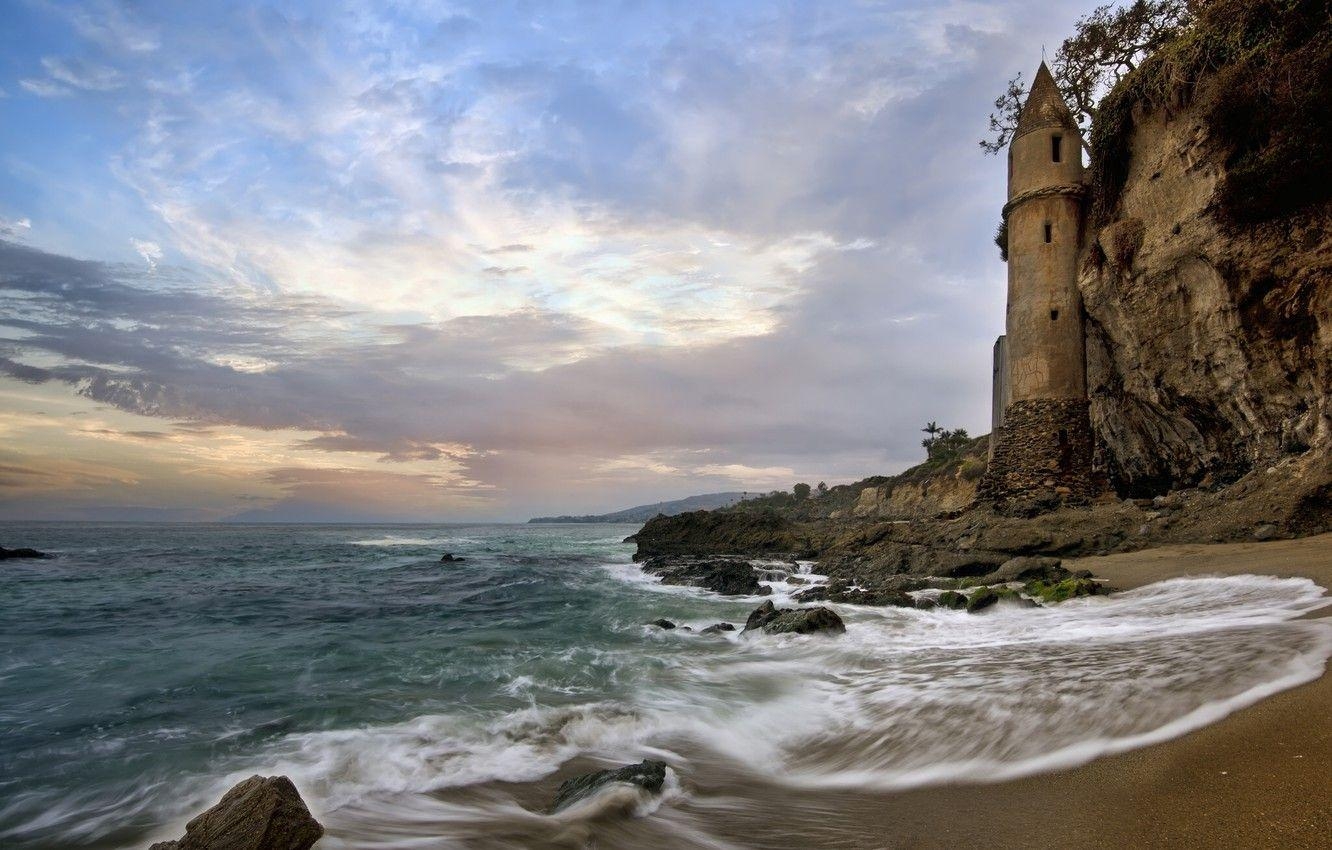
1043	447
1042	439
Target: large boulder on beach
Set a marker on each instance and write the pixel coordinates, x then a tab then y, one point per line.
261	813
800	621
649	775
6	554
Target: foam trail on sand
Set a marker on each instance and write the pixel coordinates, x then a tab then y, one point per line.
907	698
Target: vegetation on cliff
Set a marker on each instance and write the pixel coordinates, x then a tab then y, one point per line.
1271	64
1106	44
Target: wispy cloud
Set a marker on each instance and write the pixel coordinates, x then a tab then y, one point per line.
13	228
528	255
150	251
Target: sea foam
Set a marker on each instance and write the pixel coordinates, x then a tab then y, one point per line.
905	698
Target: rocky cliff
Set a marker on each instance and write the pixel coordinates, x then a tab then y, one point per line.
1207	275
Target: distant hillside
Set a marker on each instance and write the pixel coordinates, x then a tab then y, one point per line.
643	513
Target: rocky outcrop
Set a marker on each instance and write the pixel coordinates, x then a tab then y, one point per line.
1209	344
728	576
649	775
800	621
261	813
761	533
1027	568
6	554
892	591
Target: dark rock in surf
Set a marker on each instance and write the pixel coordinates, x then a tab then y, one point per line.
649	775
261	813
793	579
450	558
805	621
838	591
981	599
952	600
717	628
817	593
1049	592
662	624
6	554
800	621
760	616
728	576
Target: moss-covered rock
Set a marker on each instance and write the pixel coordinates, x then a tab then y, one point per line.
952	600
981	599
1059	591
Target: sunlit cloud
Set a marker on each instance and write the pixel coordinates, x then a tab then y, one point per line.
150	251
506	260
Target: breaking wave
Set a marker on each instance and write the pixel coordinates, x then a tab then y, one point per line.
906	698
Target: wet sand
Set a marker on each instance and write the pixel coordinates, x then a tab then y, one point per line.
1259	778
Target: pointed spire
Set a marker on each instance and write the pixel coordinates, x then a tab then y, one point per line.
1045	106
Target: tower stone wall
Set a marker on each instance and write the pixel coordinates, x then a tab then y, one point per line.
1042	444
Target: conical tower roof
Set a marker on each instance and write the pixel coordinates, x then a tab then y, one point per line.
1045	106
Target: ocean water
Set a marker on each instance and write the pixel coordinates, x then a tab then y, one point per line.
423	704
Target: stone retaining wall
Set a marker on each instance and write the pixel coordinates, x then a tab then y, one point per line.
1044	448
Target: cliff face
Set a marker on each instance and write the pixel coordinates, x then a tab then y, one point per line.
1209	345
913	499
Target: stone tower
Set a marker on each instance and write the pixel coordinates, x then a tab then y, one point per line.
1042	441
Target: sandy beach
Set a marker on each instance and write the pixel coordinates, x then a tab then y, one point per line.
1261	777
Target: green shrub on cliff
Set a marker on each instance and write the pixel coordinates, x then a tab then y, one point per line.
1271	64
942	445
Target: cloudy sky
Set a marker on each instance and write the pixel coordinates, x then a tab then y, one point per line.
453	261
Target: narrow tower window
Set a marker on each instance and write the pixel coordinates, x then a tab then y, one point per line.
1049	233
1056	148
1054	315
